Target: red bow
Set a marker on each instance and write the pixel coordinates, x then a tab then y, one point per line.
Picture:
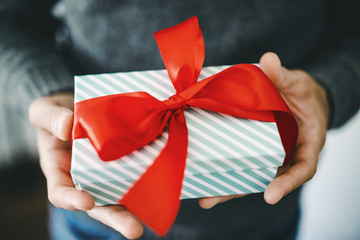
119	124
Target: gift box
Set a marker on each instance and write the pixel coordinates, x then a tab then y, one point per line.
147	139
226	155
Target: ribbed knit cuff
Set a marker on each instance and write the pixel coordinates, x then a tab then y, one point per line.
32	83
30	64
340	76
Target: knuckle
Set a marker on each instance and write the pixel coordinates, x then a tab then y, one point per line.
312	171
301	83
289	185
113	212
52	199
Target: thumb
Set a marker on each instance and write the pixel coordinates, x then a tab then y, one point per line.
271	66
46	113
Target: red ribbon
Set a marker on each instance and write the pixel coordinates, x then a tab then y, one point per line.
119	124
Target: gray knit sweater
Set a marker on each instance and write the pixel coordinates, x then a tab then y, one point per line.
43	44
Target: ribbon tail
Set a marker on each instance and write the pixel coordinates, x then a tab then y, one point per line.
288	130
155	197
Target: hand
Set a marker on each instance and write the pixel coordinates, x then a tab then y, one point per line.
53	118
308	102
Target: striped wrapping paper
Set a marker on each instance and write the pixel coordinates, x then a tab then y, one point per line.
226	155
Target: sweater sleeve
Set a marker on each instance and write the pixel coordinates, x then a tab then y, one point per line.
30	65
336	65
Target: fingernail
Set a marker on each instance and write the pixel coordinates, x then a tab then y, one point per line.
58	122
59	128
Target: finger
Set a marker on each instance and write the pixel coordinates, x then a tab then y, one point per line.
210	202
45	113
63	194
61	190
118	218
55	162
303	169
67	197
271	66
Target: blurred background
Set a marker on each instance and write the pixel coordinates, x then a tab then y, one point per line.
330	201
23	197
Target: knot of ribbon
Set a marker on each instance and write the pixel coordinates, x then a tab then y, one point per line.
118	124
176	102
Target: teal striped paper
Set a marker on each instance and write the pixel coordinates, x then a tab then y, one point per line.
226	155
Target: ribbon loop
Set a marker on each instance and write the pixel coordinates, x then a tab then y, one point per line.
183	51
